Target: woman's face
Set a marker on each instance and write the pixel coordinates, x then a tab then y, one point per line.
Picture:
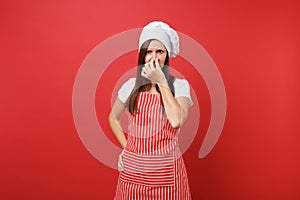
156	49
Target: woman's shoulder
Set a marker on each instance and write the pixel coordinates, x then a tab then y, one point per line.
180	82
182	89
126	89
131	80
129	83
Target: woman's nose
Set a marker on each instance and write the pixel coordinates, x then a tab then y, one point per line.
154	55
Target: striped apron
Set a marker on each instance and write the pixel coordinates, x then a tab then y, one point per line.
153	166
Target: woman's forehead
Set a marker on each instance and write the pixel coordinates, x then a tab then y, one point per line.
156	44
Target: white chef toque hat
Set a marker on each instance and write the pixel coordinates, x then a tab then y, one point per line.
164	33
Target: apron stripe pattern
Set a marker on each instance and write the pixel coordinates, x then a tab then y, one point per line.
153	166
148	170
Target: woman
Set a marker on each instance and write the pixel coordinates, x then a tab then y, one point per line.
150	165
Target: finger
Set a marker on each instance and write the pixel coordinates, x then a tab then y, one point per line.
152	60
120	167
122	153
149	71
144	74
148	67
121	163
147	64
145	70
151	63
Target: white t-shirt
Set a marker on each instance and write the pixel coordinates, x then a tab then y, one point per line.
181	87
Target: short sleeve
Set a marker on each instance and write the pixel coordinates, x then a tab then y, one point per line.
182	89
126	90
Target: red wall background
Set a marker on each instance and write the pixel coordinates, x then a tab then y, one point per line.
255	45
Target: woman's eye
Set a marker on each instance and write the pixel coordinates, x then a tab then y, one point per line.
160	51
149	51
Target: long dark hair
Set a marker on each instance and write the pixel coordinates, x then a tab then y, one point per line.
143	84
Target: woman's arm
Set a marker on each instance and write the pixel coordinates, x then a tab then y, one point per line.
114	122
176	109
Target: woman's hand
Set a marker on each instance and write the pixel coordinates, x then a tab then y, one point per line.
153	72
120	162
